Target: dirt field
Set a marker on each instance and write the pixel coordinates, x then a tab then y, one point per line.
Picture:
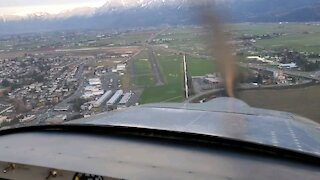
301	101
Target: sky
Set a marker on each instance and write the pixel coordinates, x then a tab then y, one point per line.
24	7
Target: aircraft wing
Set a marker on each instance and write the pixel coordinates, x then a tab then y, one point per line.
220	139
222	117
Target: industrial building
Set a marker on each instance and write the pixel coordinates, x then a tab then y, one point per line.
58	119
121	67
288	66
65	107
89	94
117	95
94	81
102	99
28	118
124	100
213	79
91	88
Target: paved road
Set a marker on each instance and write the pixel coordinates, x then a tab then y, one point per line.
5	110
155	68
78	91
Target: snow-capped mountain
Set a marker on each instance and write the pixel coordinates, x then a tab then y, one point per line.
126	4
5	18
81	11
38	15
137	13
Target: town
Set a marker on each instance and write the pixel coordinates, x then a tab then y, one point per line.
53	86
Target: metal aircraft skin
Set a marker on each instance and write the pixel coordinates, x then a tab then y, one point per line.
73	151
223	117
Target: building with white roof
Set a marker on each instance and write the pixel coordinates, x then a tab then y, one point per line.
94	81
102	99
117	95
124	100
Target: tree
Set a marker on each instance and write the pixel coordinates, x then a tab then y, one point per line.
16	86
37	76
19	105
77	103
259	79
5	83
77	116
10	123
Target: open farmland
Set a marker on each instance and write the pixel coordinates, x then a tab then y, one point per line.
301	101
270	28
133	37
185	39
297	36
298	42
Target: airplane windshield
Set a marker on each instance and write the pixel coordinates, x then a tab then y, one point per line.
61	61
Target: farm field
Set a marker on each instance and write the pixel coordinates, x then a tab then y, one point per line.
188	39
127	38
299	36
270	28
301	101
299	42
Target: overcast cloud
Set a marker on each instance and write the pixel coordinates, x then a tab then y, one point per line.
24	7
12	3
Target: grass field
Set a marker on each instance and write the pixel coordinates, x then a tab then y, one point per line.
171	69
298	42
301	101
298	36
180	32
199	66
127	38
191	39
142	68
144	75
269	28
187	39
